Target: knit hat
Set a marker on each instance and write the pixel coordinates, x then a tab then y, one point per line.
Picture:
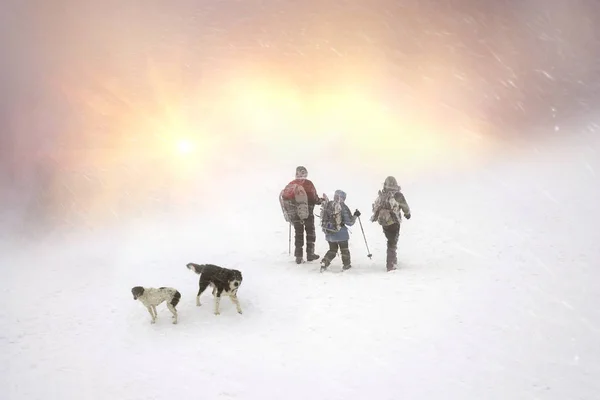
301	172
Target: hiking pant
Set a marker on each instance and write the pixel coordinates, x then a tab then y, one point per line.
333	249
392	232
307	225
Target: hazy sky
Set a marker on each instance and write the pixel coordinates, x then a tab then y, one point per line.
531	54
113	76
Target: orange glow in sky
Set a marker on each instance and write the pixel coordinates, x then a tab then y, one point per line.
156	112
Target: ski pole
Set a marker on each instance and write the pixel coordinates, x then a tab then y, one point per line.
364	237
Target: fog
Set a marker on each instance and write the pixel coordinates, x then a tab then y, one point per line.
138	136
93	91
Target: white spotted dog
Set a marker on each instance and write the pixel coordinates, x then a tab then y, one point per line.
151	297
223	281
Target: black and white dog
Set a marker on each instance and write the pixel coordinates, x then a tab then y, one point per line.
223	281
151	297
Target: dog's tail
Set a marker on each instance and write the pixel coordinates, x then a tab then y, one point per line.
176	298
197	268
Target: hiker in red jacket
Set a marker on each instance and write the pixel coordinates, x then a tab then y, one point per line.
308	224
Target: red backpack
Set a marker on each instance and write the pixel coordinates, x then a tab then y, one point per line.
294	202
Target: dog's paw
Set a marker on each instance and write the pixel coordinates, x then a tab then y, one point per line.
153	322
240	312
175	322
217	313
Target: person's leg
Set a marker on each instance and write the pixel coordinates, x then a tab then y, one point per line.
392	233
345	251
298	241
330	255
311	237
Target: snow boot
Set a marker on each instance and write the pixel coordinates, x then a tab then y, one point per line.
310	252
312	257
346	267
298	251
324	264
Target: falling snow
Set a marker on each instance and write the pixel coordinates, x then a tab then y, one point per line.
139	137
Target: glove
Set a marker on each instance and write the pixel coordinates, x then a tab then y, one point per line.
357	213
407	216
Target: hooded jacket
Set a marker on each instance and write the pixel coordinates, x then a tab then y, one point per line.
309	187
347	220
391	185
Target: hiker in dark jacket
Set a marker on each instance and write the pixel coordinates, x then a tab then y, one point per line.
308	224
339	240
387	210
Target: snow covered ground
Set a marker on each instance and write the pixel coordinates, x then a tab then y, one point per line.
496	296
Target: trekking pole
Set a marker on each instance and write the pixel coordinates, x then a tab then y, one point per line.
364	237
290	239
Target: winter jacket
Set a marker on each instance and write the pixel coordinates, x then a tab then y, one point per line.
391	185
399	197
311	192
347	220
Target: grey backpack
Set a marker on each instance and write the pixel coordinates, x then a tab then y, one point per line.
386	208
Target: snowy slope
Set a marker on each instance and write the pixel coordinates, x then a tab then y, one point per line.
496	296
